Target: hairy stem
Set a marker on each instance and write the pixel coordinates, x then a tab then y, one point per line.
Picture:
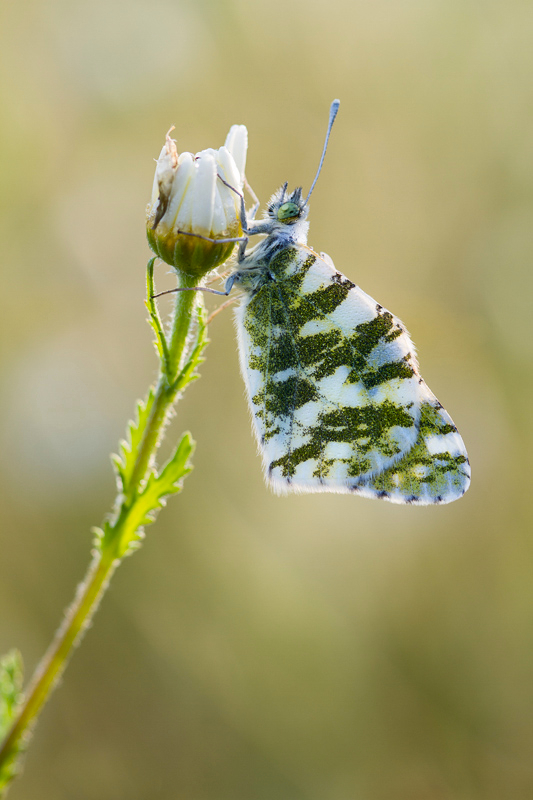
122	528
165	391
50	668
181	323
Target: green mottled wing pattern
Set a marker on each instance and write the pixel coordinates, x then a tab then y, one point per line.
337	400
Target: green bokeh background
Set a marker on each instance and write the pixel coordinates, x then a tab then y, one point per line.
302	648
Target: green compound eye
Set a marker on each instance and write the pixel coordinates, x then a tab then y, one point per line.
288	211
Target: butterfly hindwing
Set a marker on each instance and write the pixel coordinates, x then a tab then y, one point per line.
435	470
337	401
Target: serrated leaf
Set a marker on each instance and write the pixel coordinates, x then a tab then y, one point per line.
124	461
156	490
10	700
10	688
160	342
154	318
169	479
147	503
102	536
120	540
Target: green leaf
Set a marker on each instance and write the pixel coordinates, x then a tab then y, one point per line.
169	481
124	462
11	674
10	699
186	375
102	535
154	318
127	535
155	492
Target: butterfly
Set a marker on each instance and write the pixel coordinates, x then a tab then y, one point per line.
335	392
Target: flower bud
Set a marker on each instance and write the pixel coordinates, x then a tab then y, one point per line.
189	197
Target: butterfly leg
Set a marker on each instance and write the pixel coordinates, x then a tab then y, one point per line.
220	308
249	226
193	289
243	219
214	241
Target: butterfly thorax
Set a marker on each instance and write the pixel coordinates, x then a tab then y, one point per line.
286	228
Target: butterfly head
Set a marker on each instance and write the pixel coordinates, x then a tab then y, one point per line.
287	209
288	212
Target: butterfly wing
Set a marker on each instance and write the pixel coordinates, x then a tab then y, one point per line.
435	470
337	400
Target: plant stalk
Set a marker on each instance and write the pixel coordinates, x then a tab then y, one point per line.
90	591
52	665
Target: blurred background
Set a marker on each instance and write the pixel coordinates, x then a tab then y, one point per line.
303	648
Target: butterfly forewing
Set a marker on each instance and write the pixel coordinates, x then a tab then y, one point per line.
337	401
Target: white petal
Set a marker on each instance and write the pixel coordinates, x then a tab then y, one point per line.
209	151
230	203
155	187
179	207
204	194
185	156
228	168
219	214
237	144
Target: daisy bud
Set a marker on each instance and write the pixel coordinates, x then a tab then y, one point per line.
191	205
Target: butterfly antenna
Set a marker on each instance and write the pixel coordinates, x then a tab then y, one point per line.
332	114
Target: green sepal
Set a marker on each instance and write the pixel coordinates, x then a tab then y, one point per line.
124	461
11	675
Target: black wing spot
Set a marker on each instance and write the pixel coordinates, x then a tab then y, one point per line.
341	281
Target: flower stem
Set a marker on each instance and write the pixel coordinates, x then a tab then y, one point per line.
165	390
122	528
181	323
50	668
